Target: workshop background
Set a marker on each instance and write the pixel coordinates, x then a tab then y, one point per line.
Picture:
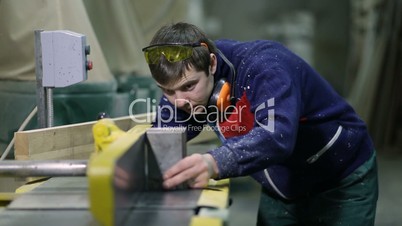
356	45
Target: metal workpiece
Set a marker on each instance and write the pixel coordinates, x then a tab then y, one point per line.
134	165
47	168
168	145
138	175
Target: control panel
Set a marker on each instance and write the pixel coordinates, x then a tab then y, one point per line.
64	58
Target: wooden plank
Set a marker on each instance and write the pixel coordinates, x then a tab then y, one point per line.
75	141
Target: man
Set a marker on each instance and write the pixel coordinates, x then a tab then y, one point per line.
283	125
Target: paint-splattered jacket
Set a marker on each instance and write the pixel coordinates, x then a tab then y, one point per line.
291	131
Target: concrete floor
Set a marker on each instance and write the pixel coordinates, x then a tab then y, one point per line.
245	194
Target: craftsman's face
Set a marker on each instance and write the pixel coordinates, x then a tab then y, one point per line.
192	92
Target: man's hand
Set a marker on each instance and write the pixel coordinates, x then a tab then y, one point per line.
195	169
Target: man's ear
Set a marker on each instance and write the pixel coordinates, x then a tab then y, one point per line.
213	63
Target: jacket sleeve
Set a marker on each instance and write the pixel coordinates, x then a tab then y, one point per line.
275	103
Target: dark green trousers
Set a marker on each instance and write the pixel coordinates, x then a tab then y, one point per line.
353	203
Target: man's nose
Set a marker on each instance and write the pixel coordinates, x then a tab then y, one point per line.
181	100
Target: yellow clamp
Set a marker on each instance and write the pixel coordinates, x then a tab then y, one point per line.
105	132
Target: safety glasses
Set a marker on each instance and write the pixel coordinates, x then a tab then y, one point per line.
173	52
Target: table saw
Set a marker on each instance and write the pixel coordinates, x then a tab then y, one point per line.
120	184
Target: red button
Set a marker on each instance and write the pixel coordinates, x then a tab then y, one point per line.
89	65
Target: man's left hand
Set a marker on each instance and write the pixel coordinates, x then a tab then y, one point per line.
196	169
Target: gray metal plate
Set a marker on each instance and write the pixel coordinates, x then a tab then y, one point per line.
168	144
84	218
161	217
178	199
56	193
47	217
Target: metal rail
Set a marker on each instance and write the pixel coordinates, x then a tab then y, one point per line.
50	168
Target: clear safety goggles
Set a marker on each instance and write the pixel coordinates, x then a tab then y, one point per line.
173	52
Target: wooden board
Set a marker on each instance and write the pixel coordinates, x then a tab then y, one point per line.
74	141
